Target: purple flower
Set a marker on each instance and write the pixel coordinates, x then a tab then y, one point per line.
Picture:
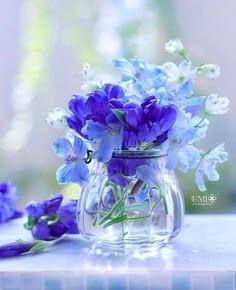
67	214
8	196
52	218
121	168
53	202
57	229
8	192
15	249
40	231
147	122
96	107
35	209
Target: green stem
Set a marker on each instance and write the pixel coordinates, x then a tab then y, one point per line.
164	201
109	214
201	121
116	220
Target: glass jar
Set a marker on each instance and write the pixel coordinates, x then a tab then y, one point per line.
131	201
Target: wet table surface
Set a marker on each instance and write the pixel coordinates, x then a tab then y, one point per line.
204	252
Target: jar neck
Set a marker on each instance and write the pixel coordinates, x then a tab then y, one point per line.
138	154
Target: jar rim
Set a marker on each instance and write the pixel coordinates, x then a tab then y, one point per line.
138	154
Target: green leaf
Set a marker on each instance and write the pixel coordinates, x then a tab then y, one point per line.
30	223
120	115
40	246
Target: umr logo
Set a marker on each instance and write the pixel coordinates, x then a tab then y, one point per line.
204	200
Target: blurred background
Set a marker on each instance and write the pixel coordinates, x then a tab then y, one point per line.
43	47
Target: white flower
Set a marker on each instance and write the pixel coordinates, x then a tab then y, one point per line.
216	106
211	71
87	72
57	118
208	166
174	47
179	74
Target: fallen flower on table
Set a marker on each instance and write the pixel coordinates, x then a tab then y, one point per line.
21	247
8	196
52	217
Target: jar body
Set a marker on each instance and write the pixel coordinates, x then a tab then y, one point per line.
131	201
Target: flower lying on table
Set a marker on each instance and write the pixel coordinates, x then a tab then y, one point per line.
51	218
21	247
151	107
48	221
8	196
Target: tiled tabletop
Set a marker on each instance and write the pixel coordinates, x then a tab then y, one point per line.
202	257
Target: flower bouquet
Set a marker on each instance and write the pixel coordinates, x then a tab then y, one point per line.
124	140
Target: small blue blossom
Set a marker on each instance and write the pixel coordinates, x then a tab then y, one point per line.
110	137
136	69
74	169
208	164
181	139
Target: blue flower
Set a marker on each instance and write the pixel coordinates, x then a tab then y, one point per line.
136	69
146	122
52	217
40	231
53	202
208	164
67	214
180	144
15	249
74	169
8	196
110	137
96	106
35	209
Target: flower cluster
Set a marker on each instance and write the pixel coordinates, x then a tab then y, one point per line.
151	107
51	218
8	196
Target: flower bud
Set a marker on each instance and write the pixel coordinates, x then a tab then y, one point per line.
174	47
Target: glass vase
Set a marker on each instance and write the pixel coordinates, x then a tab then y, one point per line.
132	201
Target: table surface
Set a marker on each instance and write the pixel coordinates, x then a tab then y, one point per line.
206	243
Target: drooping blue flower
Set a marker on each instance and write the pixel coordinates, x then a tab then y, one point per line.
74	169
208	164
8	196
